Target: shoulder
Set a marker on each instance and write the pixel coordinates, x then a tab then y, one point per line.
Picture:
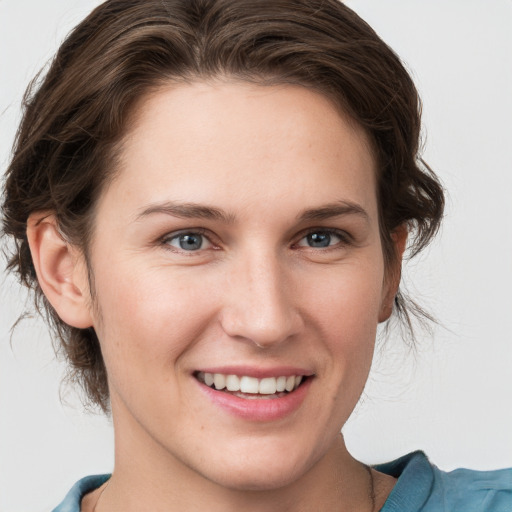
71	502
487	490
423	487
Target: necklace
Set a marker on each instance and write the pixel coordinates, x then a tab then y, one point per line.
98	500
372	488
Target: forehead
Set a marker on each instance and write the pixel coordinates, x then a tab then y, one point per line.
241	145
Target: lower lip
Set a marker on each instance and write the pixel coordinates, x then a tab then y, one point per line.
258	409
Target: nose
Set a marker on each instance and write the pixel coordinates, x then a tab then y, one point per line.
259	302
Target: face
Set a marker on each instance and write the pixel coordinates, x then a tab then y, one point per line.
238	244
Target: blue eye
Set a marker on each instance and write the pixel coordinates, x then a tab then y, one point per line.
188	241
320	239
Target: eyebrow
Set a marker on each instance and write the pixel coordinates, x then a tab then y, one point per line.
200	211
328	211
188	211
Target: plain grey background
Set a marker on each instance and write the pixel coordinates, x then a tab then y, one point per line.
453	397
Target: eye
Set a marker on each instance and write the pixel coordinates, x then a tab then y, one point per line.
321	239
188	241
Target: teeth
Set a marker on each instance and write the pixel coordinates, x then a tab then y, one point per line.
219	381
251	385
232	383
268	386
248	385
208	379
280	384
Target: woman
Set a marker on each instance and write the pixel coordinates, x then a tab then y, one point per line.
212	200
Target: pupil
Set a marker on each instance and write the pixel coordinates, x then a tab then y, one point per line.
190	242
319	239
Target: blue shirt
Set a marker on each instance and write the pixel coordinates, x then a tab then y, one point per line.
421	487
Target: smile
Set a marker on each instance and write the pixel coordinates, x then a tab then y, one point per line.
248	387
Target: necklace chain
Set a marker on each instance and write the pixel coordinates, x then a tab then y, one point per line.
372	488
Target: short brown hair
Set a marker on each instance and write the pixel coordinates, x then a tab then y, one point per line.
76	116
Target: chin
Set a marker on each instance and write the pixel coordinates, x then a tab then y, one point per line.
263	469
252	479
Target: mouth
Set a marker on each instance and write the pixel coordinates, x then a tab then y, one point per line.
252	388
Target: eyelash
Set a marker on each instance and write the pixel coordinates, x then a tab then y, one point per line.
165	240
345	239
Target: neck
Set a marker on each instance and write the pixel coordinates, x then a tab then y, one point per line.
148	477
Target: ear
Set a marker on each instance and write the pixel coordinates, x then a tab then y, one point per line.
394	273
61	270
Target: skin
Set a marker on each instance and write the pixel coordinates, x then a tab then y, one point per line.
255	294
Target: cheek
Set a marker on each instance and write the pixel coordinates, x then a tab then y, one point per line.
147	320
346	308
348	297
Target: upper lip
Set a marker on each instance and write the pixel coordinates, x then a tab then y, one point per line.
257	372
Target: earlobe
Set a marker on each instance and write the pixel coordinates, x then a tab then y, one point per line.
60	269
399	237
